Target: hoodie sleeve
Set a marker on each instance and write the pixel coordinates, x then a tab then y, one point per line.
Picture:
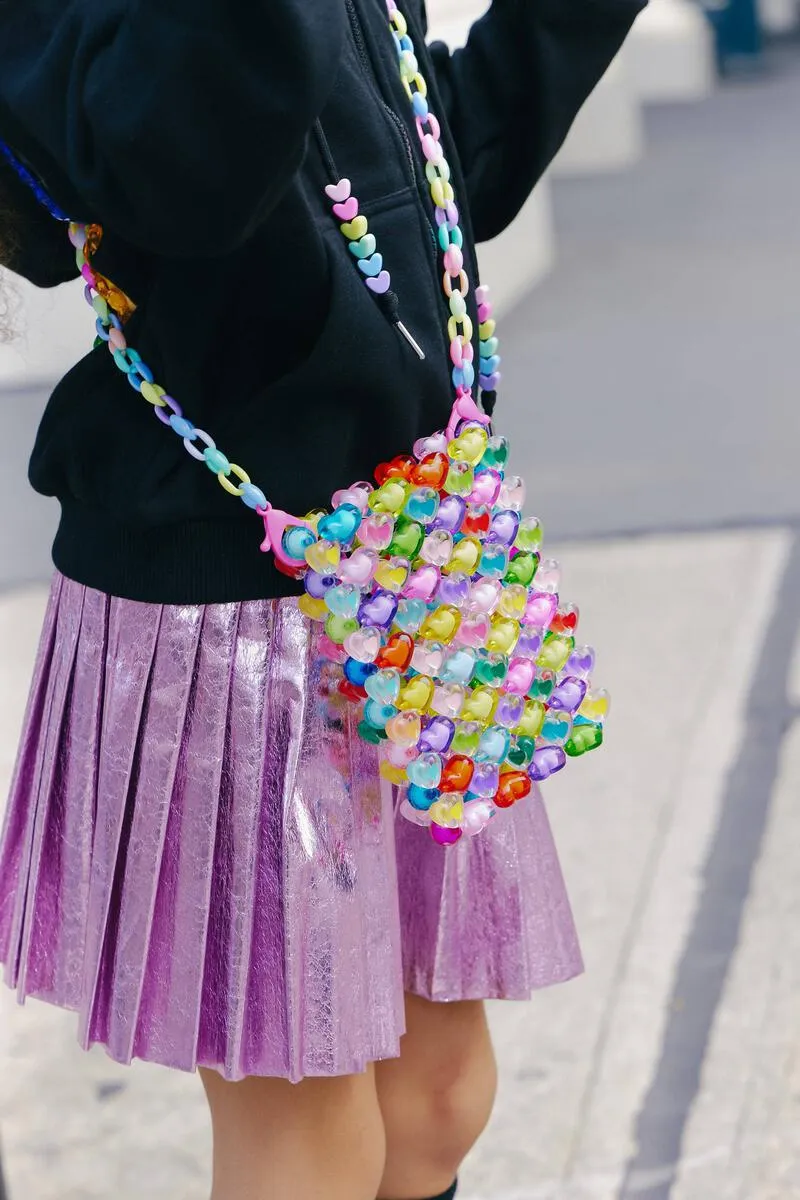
512	93
179	123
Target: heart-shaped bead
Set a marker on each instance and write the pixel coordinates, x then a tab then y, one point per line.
378	608
521	569
494	561
404	729
444	836
546	762
457	774
401	756
448	699
477	520
494	745
410	615
376	713
451	514
383	687
346	210
548	576
484	596
584	738
513	601
344	599
392	573
437	735
543	684
529	644
352	693
396	653
569	694
339	192
437	548
357	568
416	694
368	733
512	493
466	737
532	719
473	630
504	526
469	446
491	669
540	609
485	488
425	771
460	479
380	284
595	706
364	248
407	538
503	635
323	557
509	711
363	645
357	672
427	658
400	467
477	815
422	583
454	589
295	542
520	676
435	443
458	667
441	625
521	752
513	786
565	620
371	266
390	496
355	229
465	556
485	779
376	531
555	652
479	705
495	455
581	662
529	535
422	505
313	607
395	775
556	728
448	812
339	628
421	798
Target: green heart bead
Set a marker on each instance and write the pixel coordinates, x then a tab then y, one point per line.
407	538
368	733
496	453
338	628
365	247
529	534
390	496
521	753
522	569
584	738
466	738
542	686
489	347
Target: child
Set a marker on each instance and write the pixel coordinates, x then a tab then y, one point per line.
198	856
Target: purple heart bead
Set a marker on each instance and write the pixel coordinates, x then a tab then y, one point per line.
436	736
489	383
568	696
454	589
581	662
317	585
504	526
451	514
378	609
435	443
546	762
485	779
380	284
529	643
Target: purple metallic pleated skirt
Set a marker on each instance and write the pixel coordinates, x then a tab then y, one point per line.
200	858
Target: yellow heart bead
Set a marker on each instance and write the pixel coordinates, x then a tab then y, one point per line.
480	705
404	729
323	557
442	624
554	653
448	812
465	557
486	329
416	695
503	635
389	497
395	775
470	446
513	601
595	706
316	609
391	576
532	719
354	230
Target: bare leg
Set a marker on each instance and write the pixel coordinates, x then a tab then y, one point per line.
436	1099
321	1139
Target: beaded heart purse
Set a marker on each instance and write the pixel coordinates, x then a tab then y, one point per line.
430	587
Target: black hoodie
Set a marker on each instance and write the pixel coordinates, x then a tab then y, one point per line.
202	135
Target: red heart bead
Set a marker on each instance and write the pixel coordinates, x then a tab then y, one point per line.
431	471
457	774
352	692
514	786
477	520
397	652
399	468
565	620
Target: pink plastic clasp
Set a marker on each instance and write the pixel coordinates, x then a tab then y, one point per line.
464	409
276	523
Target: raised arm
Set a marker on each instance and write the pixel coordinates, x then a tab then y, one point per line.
513	91
179	122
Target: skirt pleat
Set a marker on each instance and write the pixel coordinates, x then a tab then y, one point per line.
200	858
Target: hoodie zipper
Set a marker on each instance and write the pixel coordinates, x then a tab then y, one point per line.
397	122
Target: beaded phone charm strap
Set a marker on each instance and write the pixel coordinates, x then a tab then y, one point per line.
435	603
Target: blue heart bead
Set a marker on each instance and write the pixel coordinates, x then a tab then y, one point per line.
341	524
296	539
489	365
422	798
425	771
371	266
494	745
458	667
343	600
494	560
376	714
383	687
556	728
357	672
410	615
422	505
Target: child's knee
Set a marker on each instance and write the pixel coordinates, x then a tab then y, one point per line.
459	1103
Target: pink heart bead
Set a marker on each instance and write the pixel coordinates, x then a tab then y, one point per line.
363	644
339	192
436	443
473	630
548	576
357	496
448	699
415	815
422	583
358	567
484	596
540	609
401	756
376	531
512	493
347	210
482	293
520	676
477	815
330	650
437	549
427	658
486	489
484	312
